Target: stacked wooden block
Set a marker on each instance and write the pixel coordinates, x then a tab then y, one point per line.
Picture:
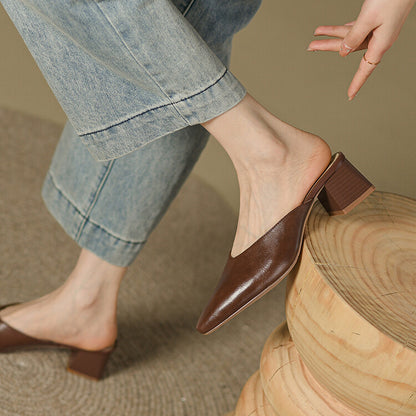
348	347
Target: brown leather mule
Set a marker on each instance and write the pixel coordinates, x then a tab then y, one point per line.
263	265
87	363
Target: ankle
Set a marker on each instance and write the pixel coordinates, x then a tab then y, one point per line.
254	137
249	138
92	282
90	264
84	295
264	160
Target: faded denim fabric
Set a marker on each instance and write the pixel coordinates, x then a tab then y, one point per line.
127	73
117	66
110	208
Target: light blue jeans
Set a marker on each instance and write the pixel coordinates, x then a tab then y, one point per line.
128	72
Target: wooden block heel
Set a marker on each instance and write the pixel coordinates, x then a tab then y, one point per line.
90	364
344	190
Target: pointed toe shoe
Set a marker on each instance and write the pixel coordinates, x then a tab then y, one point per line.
264	264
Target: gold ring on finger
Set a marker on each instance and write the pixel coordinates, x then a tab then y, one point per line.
371	63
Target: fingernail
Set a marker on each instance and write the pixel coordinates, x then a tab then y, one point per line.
345	48
310	49
350	98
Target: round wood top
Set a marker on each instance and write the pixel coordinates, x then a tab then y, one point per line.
368	257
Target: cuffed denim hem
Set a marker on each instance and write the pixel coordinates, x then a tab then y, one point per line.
127	72
140	129
86	233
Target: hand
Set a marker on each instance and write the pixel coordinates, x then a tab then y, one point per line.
376	28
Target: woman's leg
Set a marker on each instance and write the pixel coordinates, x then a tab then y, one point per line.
81	312
109	209
129	71
126	73
275	162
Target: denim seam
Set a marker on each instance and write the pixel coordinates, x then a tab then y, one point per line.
133	243
135	59
51	22
156	108
101	181
68	199
88	220
188	8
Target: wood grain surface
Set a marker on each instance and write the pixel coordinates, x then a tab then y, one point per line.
253	400
351	305
348	346
368	257
288	384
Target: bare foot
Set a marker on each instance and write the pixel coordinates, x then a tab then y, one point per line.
276	186
80	313
276	164
50	319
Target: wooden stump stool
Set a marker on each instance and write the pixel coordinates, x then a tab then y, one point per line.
348	347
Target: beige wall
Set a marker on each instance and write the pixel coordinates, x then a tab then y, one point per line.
376	130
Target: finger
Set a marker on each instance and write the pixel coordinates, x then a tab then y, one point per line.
338	31
330	45
360	77
355	37
367	66
325	45
334	30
